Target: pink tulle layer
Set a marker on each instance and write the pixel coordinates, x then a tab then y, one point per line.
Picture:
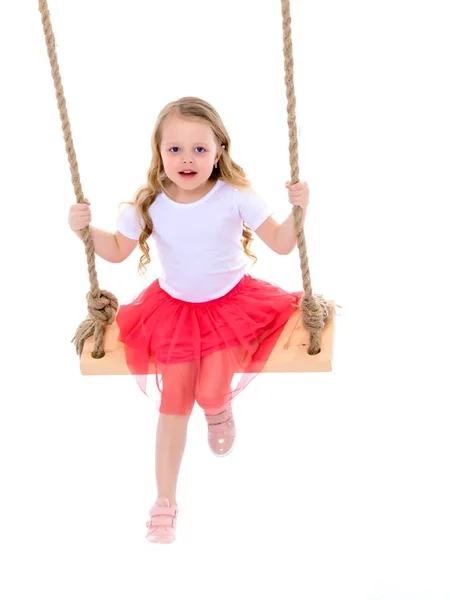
197	349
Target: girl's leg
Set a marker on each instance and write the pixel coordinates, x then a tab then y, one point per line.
213	390
176	407
170	445
214	394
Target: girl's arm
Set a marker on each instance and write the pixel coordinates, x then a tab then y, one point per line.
282	239
286	238
113	247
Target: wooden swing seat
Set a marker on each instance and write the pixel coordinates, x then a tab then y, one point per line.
294	359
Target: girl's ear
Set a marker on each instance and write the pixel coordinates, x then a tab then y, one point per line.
220	153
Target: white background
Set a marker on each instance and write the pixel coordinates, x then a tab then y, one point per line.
338	486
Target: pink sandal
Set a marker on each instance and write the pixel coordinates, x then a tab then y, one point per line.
161	527
221	432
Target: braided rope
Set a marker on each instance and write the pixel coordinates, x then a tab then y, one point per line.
314	308
102	305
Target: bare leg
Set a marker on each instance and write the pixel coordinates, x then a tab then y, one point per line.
170	445
176	407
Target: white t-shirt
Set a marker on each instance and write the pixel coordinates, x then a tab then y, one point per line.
198	244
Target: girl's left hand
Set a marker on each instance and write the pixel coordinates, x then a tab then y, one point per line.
298	194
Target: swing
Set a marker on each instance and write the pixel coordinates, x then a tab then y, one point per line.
305	345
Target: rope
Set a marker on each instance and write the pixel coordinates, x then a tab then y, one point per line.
102	305
314	308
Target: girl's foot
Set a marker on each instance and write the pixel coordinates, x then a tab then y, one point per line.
161	527
221	432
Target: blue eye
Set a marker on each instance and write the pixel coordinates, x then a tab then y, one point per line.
197	148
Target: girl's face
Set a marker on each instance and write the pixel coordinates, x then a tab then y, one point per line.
188	145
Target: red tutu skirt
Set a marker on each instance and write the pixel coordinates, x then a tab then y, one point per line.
196	350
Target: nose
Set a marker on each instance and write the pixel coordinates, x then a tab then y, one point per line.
190	160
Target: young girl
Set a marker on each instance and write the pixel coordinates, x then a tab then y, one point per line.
204	319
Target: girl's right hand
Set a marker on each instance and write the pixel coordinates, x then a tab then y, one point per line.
80	215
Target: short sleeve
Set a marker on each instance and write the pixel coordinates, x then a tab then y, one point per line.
128	222
254	209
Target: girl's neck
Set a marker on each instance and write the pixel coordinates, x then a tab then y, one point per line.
181	196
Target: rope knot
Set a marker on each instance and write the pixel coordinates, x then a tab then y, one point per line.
101	312
316	311
102	308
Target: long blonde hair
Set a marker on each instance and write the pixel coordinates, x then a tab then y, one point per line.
227	169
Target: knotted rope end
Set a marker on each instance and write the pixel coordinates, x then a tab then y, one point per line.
316	311
84	330
102	312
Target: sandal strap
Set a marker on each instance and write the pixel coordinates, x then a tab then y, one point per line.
162	520
163	510
220	418
221	427
165	516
